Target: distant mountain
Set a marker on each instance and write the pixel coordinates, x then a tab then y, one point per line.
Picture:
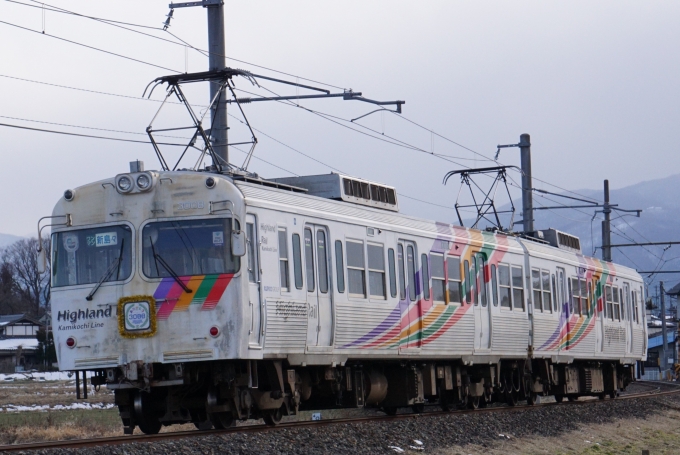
8	239
659	221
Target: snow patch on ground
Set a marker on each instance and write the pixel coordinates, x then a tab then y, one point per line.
36	376
56	407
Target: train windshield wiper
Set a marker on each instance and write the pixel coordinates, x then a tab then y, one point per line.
115	265
157	257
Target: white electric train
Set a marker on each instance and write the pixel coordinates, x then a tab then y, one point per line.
208	297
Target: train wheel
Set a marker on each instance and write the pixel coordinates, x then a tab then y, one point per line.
531	398
511	398
559	398
418	408
447	402
390	410
572	398
612	394
273	418
601	396
222	420
201	421
145	419
473	402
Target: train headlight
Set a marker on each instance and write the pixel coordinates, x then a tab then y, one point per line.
124	184
144	182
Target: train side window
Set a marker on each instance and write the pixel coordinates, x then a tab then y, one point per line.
340	265
591	302
554	293
402	274
376	271
585	306
575	305
625	303
517	287
481	279
455	293
411	266
426	276
468	282
545	284
322	257
309	260
393	273
297	261
283	260
252	250
494	284
610	302
536	287
356	273
633	301
616	303
438	278
504	285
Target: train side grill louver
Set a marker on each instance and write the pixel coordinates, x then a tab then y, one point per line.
345	188
561	240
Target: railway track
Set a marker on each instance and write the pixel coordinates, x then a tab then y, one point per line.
655	390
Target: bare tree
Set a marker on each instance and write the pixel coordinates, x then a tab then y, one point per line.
20	259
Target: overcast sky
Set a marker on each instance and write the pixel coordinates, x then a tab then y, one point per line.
594	83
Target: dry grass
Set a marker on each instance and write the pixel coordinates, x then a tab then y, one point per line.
30	393
660	434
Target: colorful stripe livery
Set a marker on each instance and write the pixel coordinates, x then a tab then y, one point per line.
574	328
413	324
207	292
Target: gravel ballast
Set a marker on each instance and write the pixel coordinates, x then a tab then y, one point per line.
375	437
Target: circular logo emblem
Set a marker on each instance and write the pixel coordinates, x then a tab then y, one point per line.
137	316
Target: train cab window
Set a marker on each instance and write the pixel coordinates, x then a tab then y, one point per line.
494	284
536	287
309	260
616	303
188	248
356	273
426	277
610	302
283	260
393	273
411	266
87	256
438	278
402	273
545	284
297	261
322	258
517	287
504	287
376	271
455	293
339	265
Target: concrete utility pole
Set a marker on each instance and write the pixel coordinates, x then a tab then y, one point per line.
216	61
664	360
527	188
606	226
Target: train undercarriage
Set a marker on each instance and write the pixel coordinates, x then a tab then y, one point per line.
216	394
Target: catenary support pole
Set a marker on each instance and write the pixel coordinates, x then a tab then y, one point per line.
217	61
606	226
527	196
664	358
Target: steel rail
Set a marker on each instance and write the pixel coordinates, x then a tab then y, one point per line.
127	439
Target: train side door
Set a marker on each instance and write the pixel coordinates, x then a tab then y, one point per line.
317	270
627	317
479	279
409	303
254	279
600	306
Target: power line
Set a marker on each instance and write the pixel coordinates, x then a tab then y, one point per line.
89	47
65	133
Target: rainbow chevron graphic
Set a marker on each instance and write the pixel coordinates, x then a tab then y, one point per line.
207	292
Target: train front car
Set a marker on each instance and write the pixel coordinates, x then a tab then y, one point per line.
148	295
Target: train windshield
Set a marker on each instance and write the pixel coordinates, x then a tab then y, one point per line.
88	256
188	248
